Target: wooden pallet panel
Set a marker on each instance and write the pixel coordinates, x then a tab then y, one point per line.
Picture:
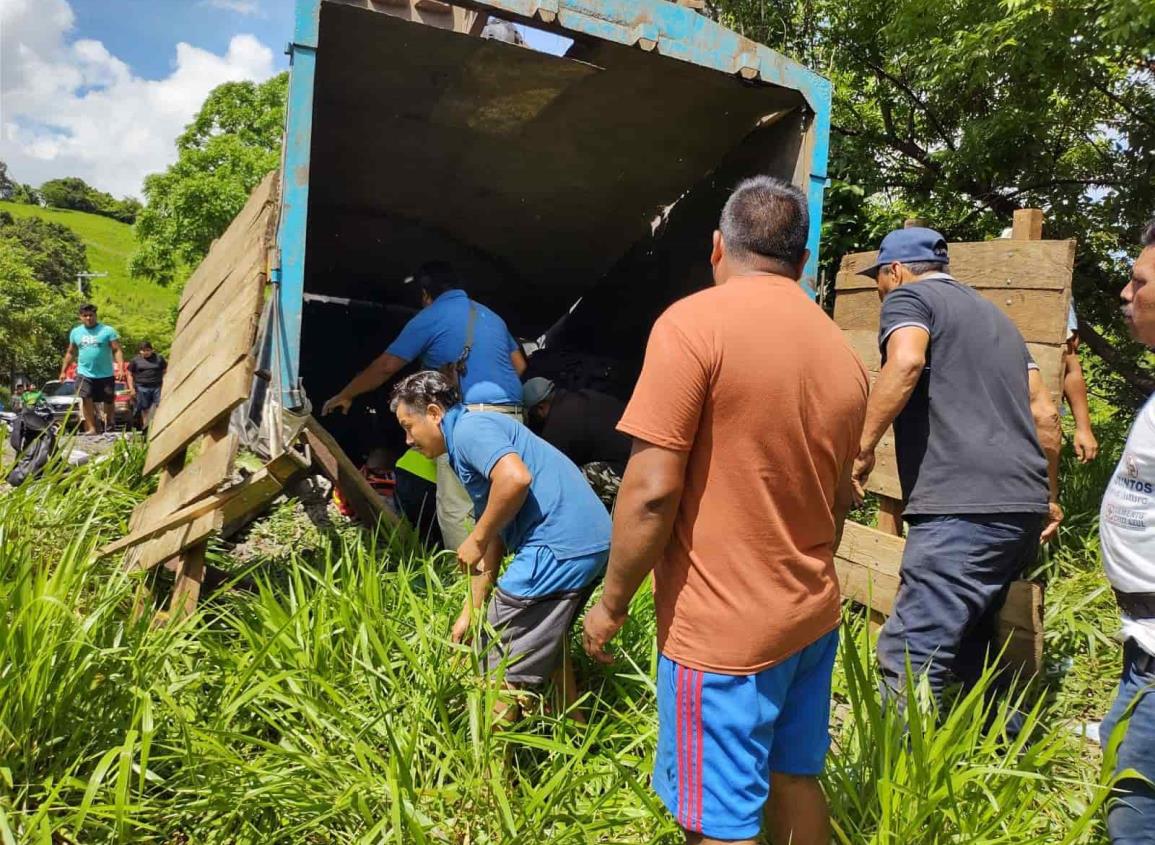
998	264
201	477
869	562
200	415
1029	280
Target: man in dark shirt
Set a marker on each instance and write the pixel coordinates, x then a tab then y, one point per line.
977	443
582	424
145	375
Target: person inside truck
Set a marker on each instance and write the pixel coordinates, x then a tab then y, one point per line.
531	501
451	332
582	424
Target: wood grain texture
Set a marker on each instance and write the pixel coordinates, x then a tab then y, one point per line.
869	564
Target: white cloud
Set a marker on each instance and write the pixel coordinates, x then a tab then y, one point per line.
70	108
240	7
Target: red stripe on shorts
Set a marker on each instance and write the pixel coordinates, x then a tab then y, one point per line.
698	761
682	677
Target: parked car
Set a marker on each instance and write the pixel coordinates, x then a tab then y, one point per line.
62	399
125	406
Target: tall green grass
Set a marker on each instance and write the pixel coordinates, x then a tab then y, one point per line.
327	705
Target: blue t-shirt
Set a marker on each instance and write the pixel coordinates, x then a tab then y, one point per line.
94	350
561	512
437	336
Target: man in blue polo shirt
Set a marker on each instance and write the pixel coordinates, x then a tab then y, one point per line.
532	501
450	332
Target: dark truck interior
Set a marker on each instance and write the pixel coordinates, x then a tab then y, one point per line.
537	176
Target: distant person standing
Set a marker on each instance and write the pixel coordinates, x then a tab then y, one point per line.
734	495
976	437
145	373
468	343
1127	540
94	345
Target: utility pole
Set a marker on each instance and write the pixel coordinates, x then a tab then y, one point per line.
81	278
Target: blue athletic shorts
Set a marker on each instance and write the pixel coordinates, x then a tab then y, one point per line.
720	737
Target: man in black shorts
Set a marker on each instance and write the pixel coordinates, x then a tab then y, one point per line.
93	345
145	374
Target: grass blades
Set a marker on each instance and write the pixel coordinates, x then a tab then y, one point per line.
326	704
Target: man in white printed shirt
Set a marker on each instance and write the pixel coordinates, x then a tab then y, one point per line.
1127	535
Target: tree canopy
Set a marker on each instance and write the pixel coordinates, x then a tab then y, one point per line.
961	112
34	317
224	153
52	251
74	193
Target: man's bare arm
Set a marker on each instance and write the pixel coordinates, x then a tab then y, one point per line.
1075	391
510	481
905	359
1050	436
118	357
383	368
643	520
517	358
69	354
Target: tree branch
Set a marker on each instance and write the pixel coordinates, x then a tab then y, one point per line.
1137	378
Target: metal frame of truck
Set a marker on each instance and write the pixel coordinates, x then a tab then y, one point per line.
649	26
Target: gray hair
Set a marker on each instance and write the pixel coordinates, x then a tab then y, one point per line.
423	389
917	268
766	217
1148	237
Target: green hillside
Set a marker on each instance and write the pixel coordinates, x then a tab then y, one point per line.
137	308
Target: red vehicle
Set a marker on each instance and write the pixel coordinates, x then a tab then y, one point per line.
125	405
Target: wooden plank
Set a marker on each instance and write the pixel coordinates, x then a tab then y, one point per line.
254	220
1040	315
205	474
1000	264
366	502
232	331
247	262
189	578
201	414
869	564
174	403
890	515
174	541
1027	225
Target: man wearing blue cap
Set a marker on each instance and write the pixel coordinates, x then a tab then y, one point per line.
977	442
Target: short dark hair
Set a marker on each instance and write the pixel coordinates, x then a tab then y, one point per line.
436	277
766	217
144	344
423	389
1148	237
917	268
87	308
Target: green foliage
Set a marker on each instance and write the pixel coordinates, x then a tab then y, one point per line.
77	195
224	153
326	704
7	186
33	318
54	252
138	308
961	112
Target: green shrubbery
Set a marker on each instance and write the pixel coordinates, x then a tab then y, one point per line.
325	704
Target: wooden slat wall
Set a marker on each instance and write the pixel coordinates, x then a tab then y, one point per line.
212	369
1029	280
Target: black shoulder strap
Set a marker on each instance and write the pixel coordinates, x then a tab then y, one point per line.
468	335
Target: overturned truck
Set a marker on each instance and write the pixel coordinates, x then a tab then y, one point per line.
574	181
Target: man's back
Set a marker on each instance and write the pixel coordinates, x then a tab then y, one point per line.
966	440
759	386
437	336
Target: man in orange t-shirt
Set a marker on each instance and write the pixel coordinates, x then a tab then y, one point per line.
746	421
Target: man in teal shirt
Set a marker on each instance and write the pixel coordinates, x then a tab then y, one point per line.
93	345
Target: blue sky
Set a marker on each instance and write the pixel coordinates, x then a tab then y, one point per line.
100	89
144	33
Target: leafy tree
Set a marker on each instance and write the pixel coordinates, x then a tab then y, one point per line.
34	318
7	186
224	153
54	252
76	194
26	195
961	112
